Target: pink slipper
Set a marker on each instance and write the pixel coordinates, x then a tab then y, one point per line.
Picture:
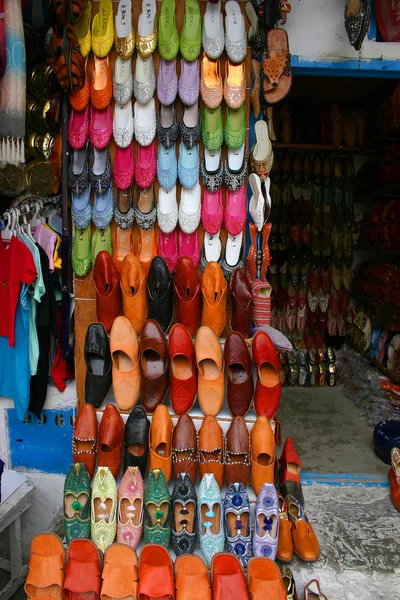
78	128
130	508
189	246
168	249
212	211
235	211
124	168
100	130
146	165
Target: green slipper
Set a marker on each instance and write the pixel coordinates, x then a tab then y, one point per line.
157	509
101	240
235	127
212	129
168	39
191	32
77	503
81	253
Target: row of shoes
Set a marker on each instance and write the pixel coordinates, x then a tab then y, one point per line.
153	294
380	227
239	456
378	282
154	575
312	368
134	366
105	512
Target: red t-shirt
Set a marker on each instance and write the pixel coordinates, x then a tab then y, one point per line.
16	267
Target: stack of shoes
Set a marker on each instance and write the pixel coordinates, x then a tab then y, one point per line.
308	367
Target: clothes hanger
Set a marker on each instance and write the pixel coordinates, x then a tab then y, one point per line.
34	222
25	225
7	234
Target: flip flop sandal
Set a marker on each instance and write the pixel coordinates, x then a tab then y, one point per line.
81	258
276	66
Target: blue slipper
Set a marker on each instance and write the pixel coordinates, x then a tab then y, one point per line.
81	208
188	165
166	167
103	209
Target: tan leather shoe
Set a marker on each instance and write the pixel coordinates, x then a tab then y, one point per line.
305	543
133	286
285	541
214	290
211	444
262	454
124	346
210	365
160	441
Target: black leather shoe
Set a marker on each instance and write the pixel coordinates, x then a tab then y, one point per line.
98	365
136	442
184	515
160	293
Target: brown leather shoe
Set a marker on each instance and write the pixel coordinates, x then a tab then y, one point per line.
262	454
237	453
84	439
124	347
154	365
184	448
188	297
106	282
240	377
285	542
134	297
214	290
160	441
210	366
211	444
241	303
111	438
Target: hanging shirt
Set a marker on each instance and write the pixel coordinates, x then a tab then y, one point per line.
14	364
57	256
47	240
16	267
38	291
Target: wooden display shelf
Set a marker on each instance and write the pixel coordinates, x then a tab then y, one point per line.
375	363
298	147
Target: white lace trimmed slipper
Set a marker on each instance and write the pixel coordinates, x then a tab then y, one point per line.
235	37
213	37
145	122
122	80
257	201
167	210
123	125
190	208
144	81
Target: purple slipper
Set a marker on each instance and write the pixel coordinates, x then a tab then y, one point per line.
189	82
167	82
265	539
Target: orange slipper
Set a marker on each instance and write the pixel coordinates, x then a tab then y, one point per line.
276	66
83	571
191	578
265	581
101	88
121	244
80	99
120	573
46	568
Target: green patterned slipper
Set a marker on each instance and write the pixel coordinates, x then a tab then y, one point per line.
77	503
101	240
235	127
168	39
157	509
191	32
81	252
212	129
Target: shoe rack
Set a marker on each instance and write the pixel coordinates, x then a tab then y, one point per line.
85	303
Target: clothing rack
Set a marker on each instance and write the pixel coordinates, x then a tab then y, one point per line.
31	202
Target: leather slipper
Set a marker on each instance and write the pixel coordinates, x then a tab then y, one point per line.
156	576
120	573
265	581
46	567
82	571
276	67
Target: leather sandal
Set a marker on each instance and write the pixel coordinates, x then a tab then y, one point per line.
156	576
46	567
276	67
82	571
120	573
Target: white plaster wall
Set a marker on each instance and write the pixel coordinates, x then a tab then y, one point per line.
316	31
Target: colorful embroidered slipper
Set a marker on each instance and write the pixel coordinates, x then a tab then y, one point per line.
212	129
82	30
77	503
103	29
147	31
101	240
276	67
168	39
157	509
81	252
235	127
190	44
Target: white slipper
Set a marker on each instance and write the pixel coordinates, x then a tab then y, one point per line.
257	201
211	250
268	201
213	37
235	39
145	122
190	208
122	80
123	18
235	158
167	210
146	18
253	18
263	146
123	124
233	255
144	82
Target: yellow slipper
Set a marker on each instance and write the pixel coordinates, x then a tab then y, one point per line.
103	29
82	30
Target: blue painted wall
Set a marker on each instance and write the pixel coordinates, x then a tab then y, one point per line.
41	444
